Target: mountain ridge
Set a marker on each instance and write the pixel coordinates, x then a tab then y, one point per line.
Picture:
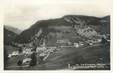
72	20
13	29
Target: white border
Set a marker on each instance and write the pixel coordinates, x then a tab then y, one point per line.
5	3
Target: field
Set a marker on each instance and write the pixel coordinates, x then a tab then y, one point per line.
70	55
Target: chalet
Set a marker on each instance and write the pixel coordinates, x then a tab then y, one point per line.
14	53
26	60
64	42
27	51
40	49
76	45
99	40
46	53
10	55
95	41
81	43
50	49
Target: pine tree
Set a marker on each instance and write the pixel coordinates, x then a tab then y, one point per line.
19	63
34	60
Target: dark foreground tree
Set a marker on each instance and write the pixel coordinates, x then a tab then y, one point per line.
20	50
34	60
5	57
19	63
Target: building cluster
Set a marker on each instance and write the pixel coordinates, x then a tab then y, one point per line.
44	51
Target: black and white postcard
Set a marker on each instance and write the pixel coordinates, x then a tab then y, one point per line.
50	35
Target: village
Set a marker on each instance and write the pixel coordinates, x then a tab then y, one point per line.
43	51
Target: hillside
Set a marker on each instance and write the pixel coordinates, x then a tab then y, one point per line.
9	36
15	30
69	20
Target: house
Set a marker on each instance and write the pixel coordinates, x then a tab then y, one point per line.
76	45
91	42
99	40
45	54
81	43
27	51
40	49
51	49
10	55
62	41
14	53
26	60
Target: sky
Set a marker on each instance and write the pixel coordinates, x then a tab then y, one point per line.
22	14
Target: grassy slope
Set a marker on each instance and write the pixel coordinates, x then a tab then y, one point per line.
65	56
61	58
